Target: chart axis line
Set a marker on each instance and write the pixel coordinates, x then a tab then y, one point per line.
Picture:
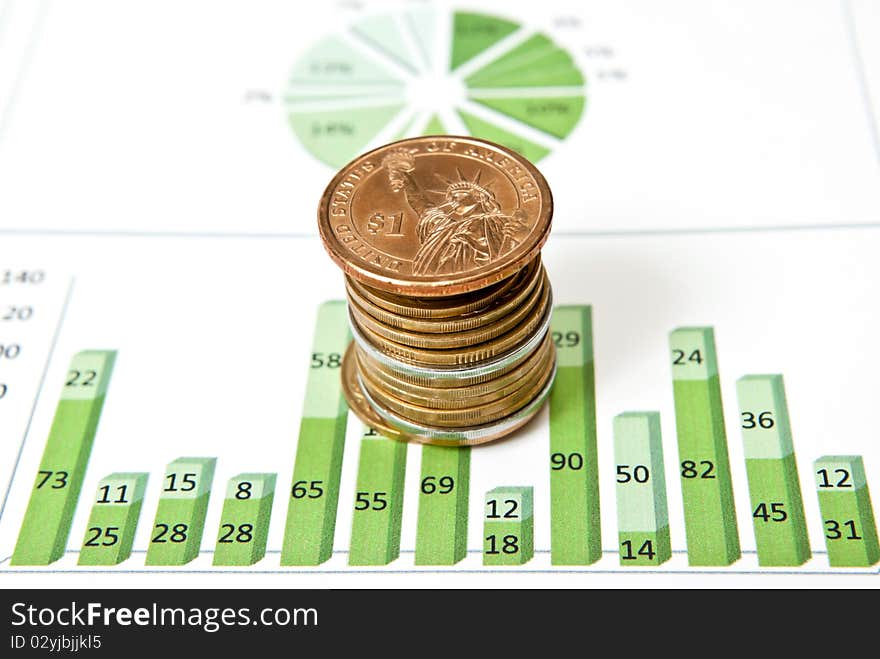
27	427
478	570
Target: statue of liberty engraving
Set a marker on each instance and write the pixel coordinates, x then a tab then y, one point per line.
461	226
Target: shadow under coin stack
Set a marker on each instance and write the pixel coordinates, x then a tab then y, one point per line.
449	303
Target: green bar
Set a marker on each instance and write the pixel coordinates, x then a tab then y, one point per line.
46	525
378	505
774	487
311	512
575	531
642	516
441	536
847	515
114	519
244	522
508	528
707	490
180	517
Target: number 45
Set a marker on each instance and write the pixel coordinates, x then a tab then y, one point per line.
771	512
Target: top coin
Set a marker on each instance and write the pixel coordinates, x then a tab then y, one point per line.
435	216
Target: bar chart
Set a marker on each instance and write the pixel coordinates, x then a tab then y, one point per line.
171	506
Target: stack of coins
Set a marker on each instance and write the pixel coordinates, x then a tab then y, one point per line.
449	303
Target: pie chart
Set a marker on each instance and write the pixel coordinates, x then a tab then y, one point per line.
419	72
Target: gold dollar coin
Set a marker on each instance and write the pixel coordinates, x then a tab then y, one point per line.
435	216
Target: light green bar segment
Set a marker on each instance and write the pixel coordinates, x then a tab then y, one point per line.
46	525
576	351
114	518
177	531
244	522
249	487
638	454
707	488
89	375
324	397
774	487
842	472
121	489
766	428
441	534
508	527
693	353
314	495
378	507
847	514
188	478
509	503
575	529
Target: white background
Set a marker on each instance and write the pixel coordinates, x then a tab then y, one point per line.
130	164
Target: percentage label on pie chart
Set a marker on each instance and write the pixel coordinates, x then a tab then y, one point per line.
419	72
